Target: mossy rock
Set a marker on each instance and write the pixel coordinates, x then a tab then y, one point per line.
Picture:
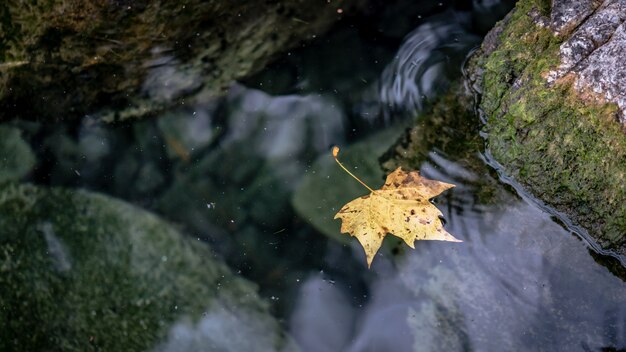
81	271
568	151
63	59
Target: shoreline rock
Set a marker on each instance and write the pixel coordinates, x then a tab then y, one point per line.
551	116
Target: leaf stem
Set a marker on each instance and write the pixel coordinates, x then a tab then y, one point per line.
335	153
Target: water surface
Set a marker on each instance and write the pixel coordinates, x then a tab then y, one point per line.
227	172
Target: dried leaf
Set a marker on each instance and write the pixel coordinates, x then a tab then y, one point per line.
401	207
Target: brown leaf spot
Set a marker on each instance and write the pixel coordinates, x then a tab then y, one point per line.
408	179
412	211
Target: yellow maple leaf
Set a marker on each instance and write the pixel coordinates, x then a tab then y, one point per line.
400	207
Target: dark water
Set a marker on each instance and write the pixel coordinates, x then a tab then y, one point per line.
233	172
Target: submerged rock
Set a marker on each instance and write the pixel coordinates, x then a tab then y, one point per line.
473	296
326	187
552	96
236	192
61	59
489	293
81	271
16	157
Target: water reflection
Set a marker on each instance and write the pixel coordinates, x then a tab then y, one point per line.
224	327
425	64
520	281
324	316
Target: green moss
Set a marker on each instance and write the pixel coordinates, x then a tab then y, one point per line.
82	272
568	152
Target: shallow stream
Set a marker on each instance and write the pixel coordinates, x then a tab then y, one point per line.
251	175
